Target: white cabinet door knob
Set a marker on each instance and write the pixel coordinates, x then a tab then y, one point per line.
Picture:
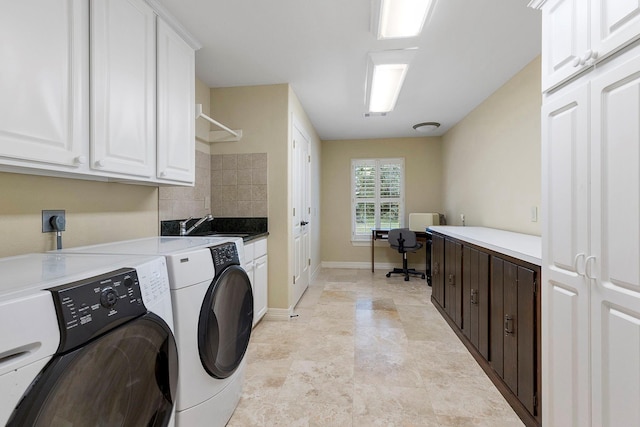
80	160
576	61
100	163
163	174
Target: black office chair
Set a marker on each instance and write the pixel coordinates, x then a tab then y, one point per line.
404	240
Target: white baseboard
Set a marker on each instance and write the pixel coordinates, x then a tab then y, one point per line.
367	265
278	314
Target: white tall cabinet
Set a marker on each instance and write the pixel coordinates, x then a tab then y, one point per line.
591	214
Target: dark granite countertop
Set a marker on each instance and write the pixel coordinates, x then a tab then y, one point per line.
247	228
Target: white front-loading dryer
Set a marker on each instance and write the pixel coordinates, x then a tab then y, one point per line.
86	340
213	313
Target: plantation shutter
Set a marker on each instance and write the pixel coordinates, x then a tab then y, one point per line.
377	195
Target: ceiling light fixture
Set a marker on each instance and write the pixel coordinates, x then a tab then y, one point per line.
401	18
386	73
426	127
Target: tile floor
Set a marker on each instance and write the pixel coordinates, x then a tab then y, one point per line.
365	351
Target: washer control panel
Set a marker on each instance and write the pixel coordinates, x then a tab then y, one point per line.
93	306
224	255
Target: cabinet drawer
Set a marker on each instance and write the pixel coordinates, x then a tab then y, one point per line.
259	248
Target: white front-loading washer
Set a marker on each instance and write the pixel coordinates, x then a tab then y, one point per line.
86	340
213	314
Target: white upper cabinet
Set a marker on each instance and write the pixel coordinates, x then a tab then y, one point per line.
79	97
44	84
578	33
564	40
123	87
175	106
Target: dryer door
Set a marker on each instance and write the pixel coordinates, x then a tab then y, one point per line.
225	322
126	377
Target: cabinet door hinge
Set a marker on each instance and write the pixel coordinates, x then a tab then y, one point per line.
294	211
309	261
535	286
535	401
294	280
309	159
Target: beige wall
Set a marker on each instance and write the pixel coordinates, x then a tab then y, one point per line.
491	159
423	188
262	114
96	212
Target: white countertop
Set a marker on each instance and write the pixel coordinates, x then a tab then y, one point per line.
522	246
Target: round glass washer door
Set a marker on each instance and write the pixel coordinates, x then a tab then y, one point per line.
224	327
127	377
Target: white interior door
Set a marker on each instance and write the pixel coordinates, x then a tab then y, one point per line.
301	214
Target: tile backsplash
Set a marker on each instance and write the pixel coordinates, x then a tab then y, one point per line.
239	185
227	185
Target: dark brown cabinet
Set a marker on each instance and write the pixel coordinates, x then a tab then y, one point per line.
475	298
437	268
491	302
453	280
513	328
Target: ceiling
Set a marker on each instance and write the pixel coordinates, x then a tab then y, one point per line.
467	50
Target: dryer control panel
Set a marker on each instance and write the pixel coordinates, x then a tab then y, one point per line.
224	255
91	307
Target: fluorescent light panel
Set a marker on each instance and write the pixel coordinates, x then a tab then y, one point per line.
402	18
385	86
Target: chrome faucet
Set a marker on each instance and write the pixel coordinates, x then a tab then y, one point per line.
183	224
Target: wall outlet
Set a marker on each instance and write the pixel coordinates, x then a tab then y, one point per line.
534	214
46	220
462	218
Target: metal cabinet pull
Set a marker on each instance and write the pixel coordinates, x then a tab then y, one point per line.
436	268
508	324
452	279
474	296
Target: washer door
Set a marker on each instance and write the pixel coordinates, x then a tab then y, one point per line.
225	322
126	377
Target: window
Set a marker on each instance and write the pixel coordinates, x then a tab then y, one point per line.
377	198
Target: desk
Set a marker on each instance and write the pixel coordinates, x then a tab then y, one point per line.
383	234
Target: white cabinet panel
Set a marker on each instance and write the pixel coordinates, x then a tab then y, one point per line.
565	289
261	277
615	234
123	87
176	103
44	82
564	41
614	23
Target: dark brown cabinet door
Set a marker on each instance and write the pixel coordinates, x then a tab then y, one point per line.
437	268
496	346
513	328
453	280
475	298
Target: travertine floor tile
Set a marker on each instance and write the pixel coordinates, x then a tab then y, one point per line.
365	350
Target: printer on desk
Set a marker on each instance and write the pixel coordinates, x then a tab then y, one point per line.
420	221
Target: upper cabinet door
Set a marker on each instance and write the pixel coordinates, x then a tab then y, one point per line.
564	40
176	99
123	87
43	82
614	23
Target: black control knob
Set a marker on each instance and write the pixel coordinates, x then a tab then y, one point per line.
108	297
128	281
